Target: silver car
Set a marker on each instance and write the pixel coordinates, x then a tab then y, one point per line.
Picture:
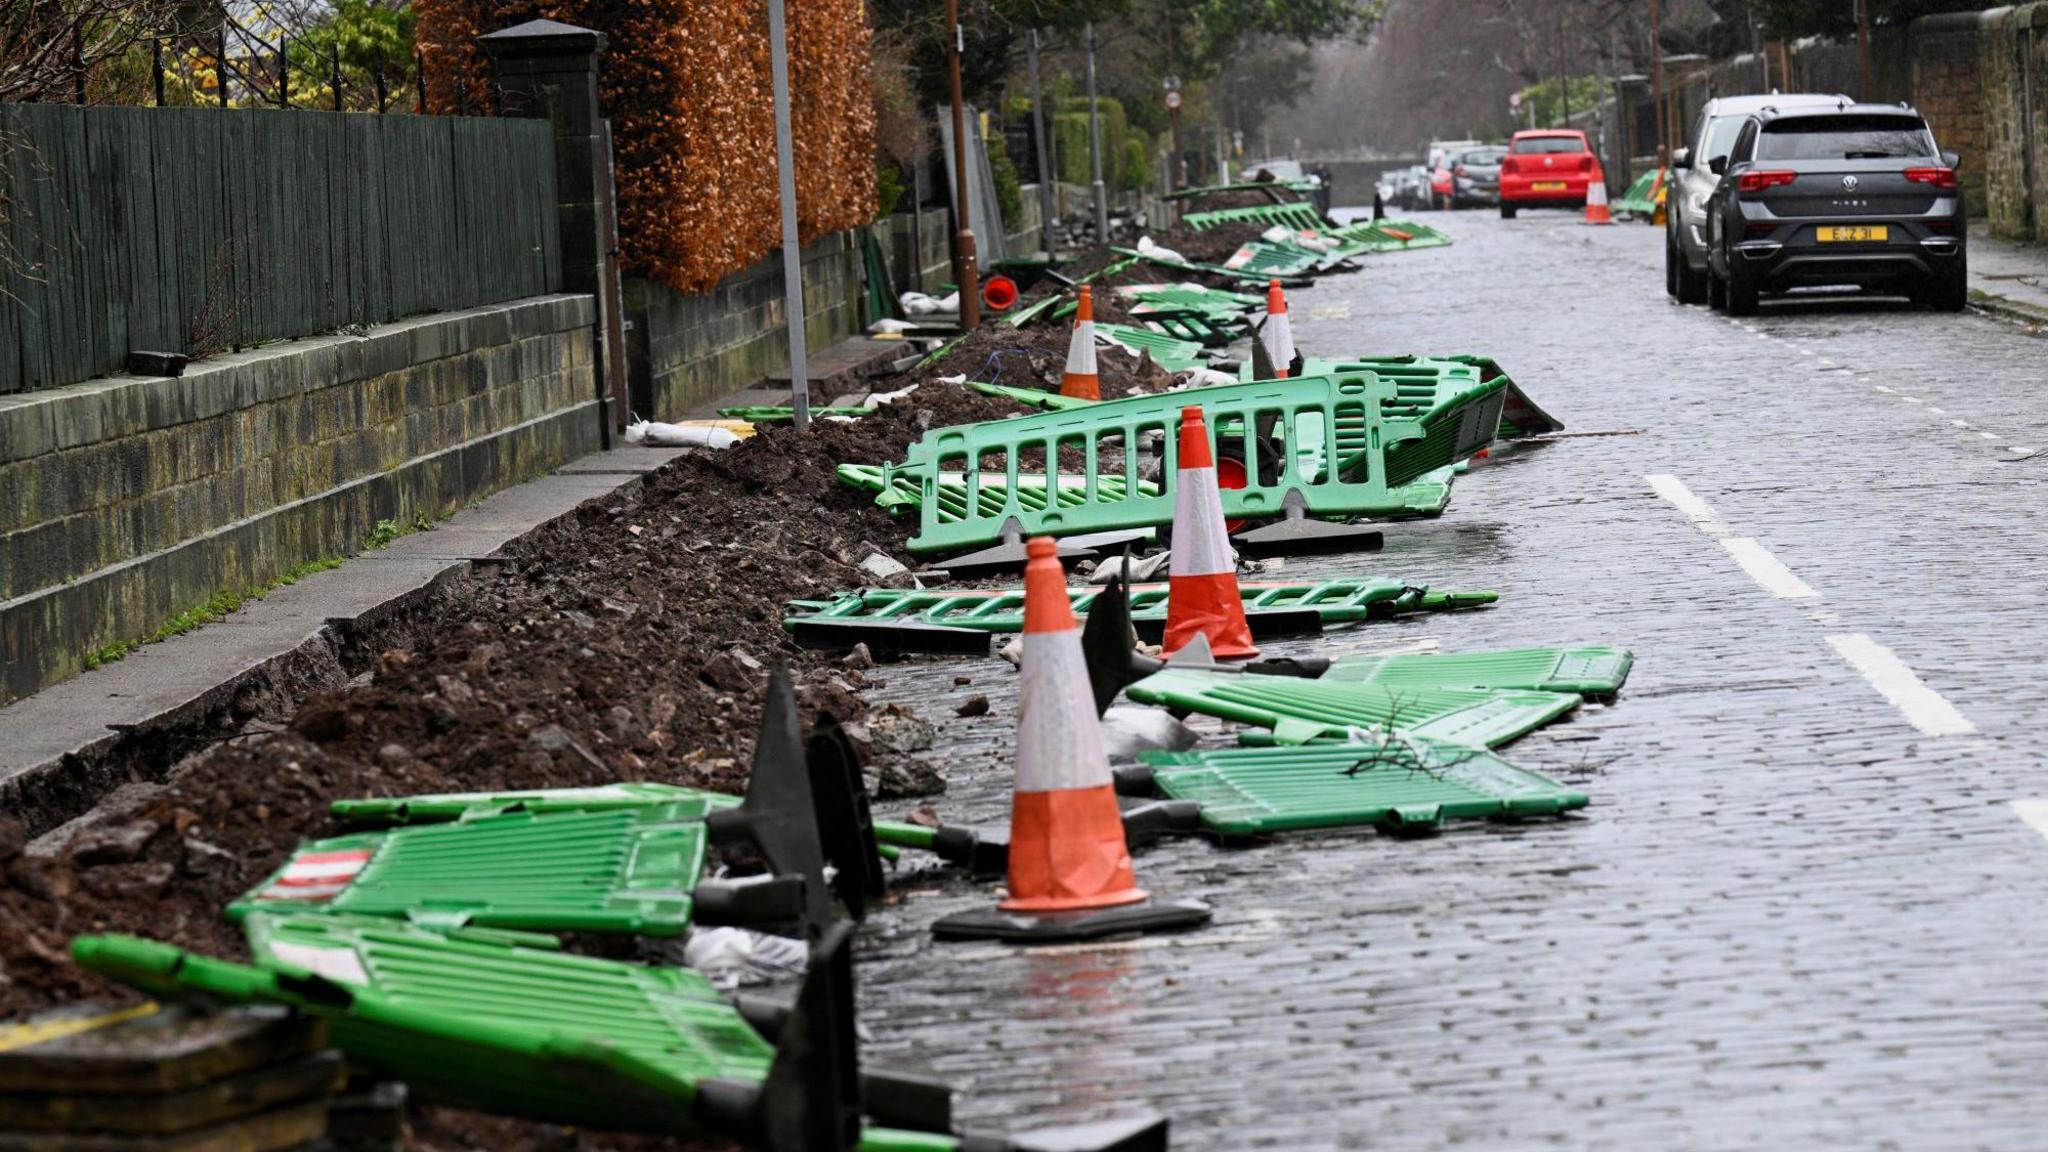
1693	182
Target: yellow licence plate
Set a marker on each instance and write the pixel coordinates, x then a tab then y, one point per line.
1862	234
1547	186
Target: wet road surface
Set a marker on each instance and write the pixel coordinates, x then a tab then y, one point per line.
1804	910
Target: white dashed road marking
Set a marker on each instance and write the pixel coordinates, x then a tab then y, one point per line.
1922	706
1767	570
2034	813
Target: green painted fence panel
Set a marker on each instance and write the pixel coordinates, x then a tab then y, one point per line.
1301	711
623	870
140	222
1591	671
1403	783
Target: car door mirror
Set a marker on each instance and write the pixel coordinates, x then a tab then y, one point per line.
1951	160
1682	158
1718	165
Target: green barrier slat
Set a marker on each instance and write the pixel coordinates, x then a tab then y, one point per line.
1301	711
1592	671
545	1035
1520	417
1030	312
1302	186
1169	353
1406	782
1032	397
1282	260
1378	454
1390	235
1193	296
688	803
904	835
619	870
1640	198
1298	216
774	414
992	492
1193	266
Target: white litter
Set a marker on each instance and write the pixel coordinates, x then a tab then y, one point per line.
887	326
731	957
919	304
1128	730
655	435
1131	569
1205	378
1147	247
877	399
881	566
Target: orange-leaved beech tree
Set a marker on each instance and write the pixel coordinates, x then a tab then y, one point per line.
685	85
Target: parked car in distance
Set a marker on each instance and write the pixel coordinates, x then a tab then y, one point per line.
1475	177
1408	188
1692	182
1442	153
1546	168
1859	194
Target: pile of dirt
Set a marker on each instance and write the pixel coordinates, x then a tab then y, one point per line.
1215	245
1239	198
628	641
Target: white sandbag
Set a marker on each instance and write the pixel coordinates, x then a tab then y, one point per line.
655	435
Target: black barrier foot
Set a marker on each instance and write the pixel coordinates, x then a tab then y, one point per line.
1308	668
1008	556
983	852
1298	534
1061	927
1154	820
890	1098
780	817
1108	647
888	639
1138	1134
846	825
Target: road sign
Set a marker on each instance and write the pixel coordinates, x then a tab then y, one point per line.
1173	99
1514	100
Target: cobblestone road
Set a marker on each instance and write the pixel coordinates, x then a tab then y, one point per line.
1798	915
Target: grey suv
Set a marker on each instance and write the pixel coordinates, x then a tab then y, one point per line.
1854	195
1693	180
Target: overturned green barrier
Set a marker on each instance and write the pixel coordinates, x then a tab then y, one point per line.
899	492
1382	442
628	870
1640	198
1263	259
1399	783
430	809
1387	236
1190	297
1029	397
1002	609
1223	271
504	1023
782	414
1170	353
1299	216
1301	711
1593	671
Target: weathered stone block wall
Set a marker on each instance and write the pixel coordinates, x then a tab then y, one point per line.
1948	90
126	500
2013	64
684	350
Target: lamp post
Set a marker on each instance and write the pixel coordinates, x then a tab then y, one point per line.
1863	50
1046	213
964	272
1657	83
1095	147
792	256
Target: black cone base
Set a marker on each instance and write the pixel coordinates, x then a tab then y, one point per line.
1061	927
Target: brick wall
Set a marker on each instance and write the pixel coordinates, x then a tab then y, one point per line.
125	501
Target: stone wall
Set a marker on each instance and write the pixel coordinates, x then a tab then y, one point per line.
1947	84
2013	59
682	351
125	500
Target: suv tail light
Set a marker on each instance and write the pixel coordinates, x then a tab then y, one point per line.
1943	179
1760	180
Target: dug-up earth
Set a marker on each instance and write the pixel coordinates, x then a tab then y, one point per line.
627	641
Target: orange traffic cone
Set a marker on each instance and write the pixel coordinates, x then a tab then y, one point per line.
1080	378
1070	869
1596	199
1278	334
1202	597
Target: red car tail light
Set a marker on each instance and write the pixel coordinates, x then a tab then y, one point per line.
1507	166
1460	170
1943	179
1760	180
1586	163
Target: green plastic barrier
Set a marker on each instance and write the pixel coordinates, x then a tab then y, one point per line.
1270	187
1190	297
1377	452
483	1021
1406	783
1388	236
1297	216
1282	261
773	414
1169	353
1002	609
1640	199
993	491
687	803
622	870
1301	711
1520	416
1590	671
1229	273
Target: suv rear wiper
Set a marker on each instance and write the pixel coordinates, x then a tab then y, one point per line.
1869	156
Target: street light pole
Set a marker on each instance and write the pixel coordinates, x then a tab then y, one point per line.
1657	83
964	272
1863	49
1046	215
792	255
1095	147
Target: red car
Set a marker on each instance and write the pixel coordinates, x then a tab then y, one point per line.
1546	168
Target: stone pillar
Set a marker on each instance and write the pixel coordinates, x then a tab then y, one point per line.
544	68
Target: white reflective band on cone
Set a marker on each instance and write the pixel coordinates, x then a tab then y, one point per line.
1059	741
1200	546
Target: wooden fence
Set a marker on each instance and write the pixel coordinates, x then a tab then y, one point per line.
190	229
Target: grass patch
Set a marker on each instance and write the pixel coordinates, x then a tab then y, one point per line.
214	609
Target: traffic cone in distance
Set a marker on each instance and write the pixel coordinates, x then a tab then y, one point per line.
1202	593
1070	875
1278	334
1596	199
1080	379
